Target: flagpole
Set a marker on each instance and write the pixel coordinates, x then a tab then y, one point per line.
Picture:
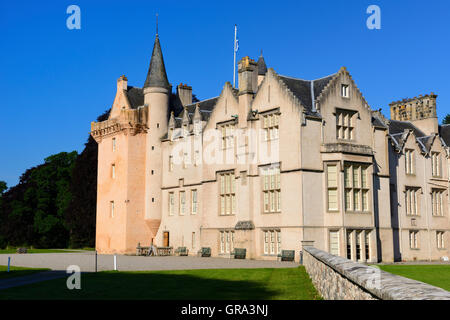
234	61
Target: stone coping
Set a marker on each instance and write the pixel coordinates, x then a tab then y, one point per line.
381	284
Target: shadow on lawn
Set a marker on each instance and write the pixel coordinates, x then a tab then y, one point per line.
155	286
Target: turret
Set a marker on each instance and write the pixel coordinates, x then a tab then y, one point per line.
262	68
157	91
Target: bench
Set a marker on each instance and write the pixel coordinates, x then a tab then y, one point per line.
22	250
204	252
239	253
182	251
287	255
164	251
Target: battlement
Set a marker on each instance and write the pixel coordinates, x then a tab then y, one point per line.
133	121
417	108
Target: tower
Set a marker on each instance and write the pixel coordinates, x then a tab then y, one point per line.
157	91
421	111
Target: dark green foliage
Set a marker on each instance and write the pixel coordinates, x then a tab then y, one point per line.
54	204
446	119
33	211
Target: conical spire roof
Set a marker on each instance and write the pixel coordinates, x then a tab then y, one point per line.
262	68
156	76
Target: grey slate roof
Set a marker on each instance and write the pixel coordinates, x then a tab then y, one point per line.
206	108
444	132
262	68
302	88
135	97
157	76
400	126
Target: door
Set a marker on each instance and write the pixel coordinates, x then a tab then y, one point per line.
166	239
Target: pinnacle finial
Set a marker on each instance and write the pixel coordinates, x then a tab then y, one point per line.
156	24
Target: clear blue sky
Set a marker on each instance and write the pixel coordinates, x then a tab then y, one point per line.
55	81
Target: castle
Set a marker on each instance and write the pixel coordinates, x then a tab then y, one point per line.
271	164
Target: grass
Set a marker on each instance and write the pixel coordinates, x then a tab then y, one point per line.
436	275
17	272
216	284
14	250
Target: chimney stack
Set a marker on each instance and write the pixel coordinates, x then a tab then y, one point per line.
122	83
248	84
184	93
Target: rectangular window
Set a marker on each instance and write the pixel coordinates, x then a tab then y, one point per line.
171	203
227	133
193	240
112	208
270	126
194	201
272	242
349	244
413	239
358	245
411	197
334	242
367	244
440	239
344	124
113	144
227	193
182	203
332	188
271	177
345	90
113	171
170	163
409	161
436	164
356	186
437	204
197	157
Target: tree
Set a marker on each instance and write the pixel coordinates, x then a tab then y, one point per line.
32	212
3	187
446	119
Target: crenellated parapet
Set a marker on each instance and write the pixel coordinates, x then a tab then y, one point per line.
129	121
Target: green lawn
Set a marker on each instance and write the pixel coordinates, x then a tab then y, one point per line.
14	250
16	272
436	275
234	284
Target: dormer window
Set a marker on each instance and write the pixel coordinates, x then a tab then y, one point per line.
345	91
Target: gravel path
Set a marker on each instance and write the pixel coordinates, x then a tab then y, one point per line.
86	262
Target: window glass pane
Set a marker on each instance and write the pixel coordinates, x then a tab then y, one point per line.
332	176
356	195
348	199
347	173
332	199
364	177
356	177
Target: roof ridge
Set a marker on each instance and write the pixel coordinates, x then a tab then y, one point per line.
293	78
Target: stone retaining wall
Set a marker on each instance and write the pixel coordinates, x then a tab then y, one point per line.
337	278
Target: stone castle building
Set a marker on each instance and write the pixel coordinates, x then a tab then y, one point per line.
272	163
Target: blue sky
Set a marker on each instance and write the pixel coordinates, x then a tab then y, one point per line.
55	81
